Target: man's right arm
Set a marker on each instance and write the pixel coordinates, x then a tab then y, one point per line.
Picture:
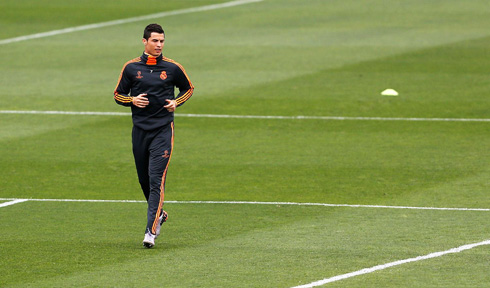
123	88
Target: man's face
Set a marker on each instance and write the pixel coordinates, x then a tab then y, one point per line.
154	44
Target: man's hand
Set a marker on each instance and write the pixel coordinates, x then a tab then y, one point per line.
171	105
141	101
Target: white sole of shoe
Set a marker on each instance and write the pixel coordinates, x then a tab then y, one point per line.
148	244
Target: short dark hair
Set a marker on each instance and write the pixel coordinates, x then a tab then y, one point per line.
152	28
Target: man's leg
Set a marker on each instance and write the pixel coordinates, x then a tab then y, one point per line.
141	141
160	152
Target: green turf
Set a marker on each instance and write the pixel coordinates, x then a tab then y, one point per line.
26	17
276	57
335	162
223	245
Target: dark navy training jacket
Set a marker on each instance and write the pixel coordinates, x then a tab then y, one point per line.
157	77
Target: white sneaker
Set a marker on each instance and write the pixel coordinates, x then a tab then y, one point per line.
149	240
162	219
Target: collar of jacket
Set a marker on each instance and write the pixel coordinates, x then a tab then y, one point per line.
150	60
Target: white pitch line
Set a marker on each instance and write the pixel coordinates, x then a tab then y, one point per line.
81	113
335	118
127	20
77	200
391	264
331	205
259	203
338	118
15	201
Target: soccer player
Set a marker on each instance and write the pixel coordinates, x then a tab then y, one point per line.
147	85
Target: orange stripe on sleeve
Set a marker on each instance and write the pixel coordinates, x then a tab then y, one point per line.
122	70
183	98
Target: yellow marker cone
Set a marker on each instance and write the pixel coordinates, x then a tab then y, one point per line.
389	92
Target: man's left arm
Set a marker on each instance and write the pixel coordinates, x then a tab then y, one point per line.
184	84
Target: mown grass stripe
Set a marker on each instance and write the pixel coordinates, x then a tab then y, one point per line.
127	20
338	118
257	203
392	264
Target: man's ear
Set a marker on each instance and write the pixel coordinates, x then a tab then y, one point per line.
145	41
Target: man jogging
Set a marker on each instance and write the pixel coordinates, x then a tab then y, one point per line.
146	84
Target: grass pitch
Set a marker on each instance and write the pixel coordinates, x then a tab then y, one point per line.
275	57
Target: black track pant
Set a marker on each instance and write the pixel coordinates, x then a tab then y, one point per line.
152	151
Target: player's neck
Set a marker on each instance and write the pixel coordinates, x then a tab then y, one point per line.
149	55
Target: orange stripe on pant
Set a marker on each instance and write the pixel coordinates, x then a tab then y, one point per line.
162	186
